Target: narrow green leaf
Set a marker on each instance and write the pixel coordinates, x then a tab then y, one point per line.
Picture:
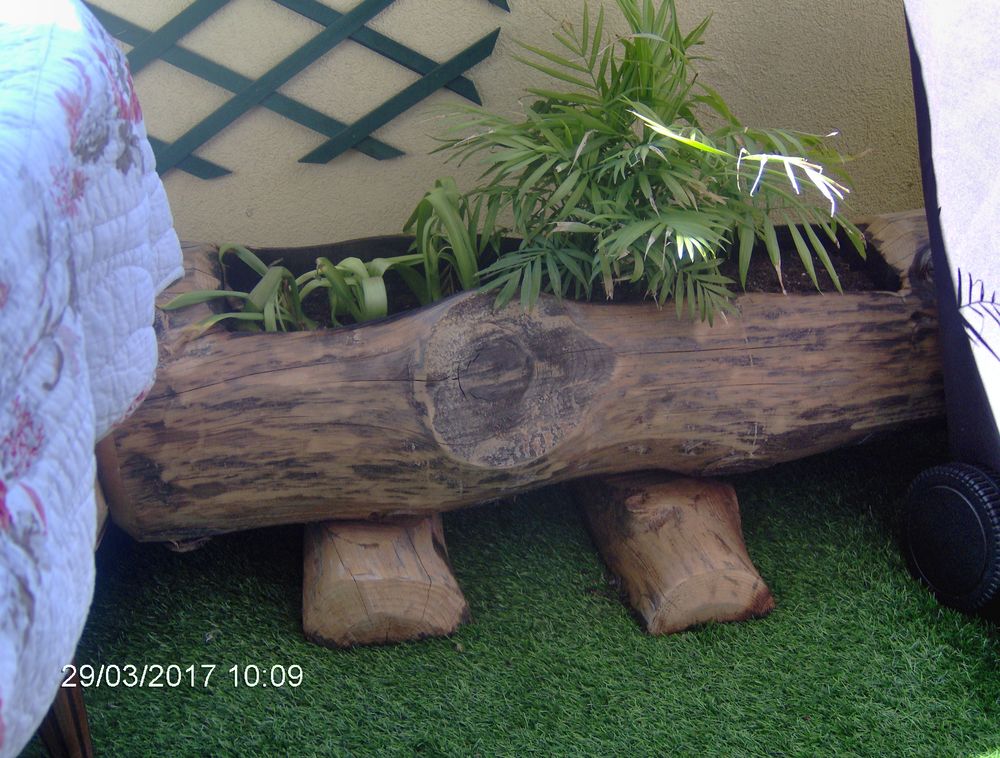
822	254
244	255
374	300
573	266
354	267
270	322
568	97
266	289
200	296
595	46
691	300
553	72
553	58
804	255
855	236
341	298
563	189
528	292
415	282
773	252
312	286
508	289
555	278
210	321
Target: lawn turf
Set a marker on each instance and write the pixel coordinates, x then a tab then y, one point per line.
856	660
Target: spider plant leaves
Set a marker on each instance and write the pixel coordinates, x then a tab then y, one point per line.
416	283
354	267
445	203
270	317
207	323
310	285
445	228
244	255
266	290
374	299
291	306
353	289
195	297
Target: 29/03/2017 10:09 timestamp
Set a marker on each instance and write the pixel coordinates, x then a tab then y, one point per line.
155	675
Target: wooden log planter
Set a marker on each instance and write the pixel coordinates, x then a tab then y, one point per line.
370	432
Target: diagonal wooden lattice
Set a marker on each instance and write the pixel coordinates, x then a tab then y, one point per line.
162	44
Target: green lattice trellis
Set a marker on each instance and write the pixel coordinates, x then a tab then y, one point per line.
148	46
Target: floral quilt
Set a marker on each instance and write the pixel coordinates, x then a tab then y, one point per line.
86	243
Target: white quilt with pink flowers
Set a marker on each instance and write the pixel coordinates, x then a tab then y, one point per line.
86	243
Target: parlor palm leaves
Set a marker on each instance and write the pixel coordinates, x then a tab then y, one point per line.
609	176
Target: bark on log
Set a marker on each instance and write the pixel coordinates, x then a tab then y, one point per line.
368	583
456	404
677	546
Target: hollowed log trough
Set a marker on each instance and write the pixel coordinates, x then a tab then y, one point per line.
369	432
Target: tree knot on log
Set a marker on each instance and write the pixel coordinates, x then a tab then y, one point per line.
504	388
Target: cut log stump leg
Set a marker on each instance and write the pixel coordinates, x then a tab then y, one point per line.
367	583
677	546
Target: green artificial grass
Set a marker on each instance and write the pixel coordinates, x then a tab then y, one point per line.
856	660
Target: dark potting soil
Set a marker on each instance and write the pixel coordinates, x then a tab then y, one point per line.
856	274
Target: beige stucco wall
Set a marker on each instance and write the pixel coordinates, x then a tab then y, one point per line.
803	64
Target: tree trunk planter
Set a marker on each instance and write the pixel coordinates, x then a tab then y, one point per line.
396	421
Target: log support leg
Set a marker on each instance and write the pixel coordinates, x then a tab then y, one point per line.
677	546
367	583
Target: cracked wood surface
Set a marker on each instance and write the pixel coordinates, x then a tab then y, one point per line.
677	546
455	404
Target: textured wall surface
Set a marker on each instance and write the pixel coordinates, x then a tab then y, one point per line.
797	64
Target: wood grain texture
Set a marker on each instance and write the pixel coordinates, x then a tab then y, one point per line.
456	404
677	546
904	243
367	583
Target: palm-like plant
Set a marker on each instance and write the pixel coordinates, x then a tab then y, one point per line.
614	177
